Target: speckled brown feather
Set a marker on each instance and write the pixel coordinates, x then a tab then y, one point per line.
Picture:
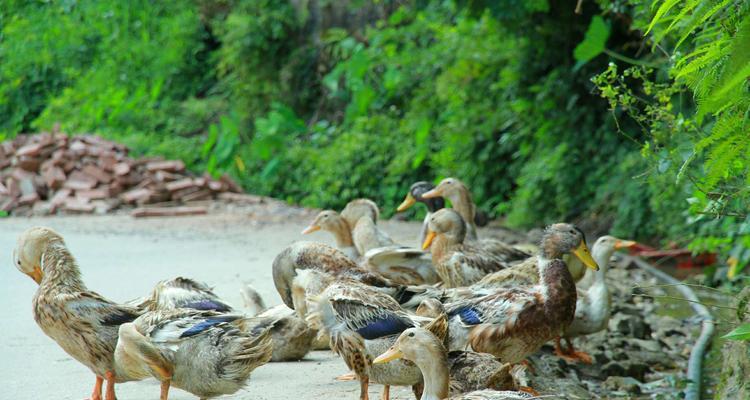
82	322
542	318
320	257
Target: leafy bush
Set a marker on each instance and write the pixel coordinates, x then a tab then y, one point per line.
627	115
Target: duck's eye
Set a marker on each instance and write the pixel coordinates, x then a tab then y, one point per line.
411	334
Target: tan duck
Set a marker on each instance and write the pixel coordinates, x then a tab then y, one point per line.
292	337
81	321
362	323
206	353
427	352
512	323
319	257
362	216
331	221
457	262
398	263
594	304
461	200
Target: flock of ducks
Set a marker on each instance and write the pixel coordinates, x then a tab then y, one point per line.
453	318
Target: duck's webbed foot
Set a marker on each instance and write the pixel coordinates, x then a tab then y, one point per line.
349	376
570	354
529	390
97	393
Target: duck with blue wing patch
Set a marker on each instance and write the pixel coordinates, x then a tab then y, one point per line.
363	322
205	353
512	323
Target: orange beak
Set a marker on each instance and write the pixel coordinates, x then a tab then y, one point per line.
623	244
36	275
437	192
311	229
408	202
428	240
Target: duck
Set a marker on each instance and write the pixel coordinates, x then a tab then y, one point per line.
512	323
333	222
421	347
414	196
182	292
526	273
300	256
206	353
457	262
461	200
398	263
361	215
292	337
593	305
362	323
82	322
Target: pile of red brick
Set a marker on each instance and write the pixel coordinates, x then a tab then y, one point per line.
50	173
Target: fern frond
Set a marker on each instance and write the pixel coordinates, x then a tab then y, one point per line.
734	75
661	12
700	17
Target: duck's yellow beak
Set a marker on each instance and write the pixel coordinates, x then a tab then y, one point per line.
428	239
583	254
392	354
408	202
36	275
311	229
436	192
623	244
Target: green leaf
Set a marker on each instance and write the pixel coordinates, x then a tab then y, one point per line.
742	332
593	43
665	7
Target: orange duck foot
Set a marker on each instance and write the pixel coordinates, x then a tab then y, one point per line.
349	376
529	390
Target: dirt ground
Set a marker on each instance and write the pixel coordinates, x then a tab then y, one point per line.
121	258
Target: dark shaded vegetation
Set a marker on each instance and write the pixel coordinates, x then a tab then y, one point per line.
632	114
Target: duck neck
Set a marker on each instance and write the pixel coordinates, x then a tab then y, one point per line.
60	269
555	279
601	256
342	233
434	366
464	206
442	245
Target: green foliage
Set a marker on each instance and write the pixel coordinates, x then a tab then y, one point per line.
594	42
700	141
547	115
742	332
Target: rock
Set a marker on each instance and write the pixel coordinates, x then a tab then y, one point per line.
630	325
623	384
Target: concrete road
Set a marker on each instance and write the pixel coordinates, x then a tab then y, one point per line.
121	258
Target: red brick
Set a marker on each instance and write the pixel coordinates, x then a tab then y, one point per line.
80	181
136	195
78	206
54	177
122	169
97	173
167	211
169	165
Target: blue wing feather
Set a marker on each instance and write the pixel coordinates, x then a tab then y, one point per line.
387	324
468	314
208	323
208	305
